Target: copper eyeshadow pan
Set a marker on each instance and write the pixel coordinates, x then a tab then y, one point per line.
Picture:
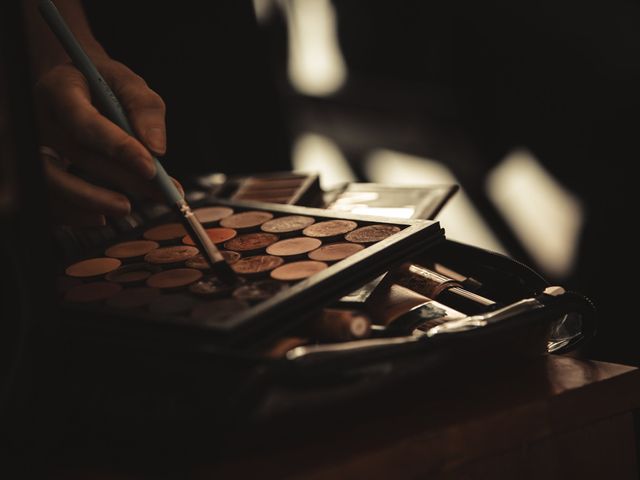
294	246
132	249
288	224
168	255
93	267
166	232
246	220
175	278
217	235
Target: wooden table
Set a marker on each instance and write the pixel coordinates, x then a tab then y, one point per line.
555	417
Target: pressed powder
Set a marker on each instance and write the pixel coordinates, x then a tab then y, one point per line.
166	232
288	224
217	235
246	220
330	228
133	249
133	273
250	242
201	264
93	267
168	255
176	278
294	246
335	251
257	264
298	270
371	233
212	214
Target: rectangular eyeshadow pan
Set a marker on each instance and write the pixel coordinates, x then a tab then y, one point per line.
290	306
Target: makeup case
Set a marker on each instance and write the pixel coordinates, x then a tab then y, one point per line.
163	389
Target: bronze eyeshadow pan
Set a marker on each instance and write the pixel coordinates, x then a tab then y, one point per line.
287	224
165	232
291	247
169	255
330	228
208	215
251	242
246	220
217	235
334	252
93	267
132	249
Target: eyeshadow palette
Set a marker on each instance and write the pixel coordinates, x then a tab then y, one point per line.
397	201
289	188
289	261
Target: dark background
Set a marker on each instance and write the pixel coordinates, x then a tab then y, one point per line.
461	81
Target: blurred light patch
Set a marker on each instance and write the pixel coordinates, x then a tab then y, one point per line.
459	218
264	9
317	153
544	215
316	66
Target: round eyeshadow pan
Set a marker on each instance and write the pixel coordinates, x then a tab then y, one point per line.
175	278
330	228
258	291
256	264
216	234
335	251
164	255
212	214
250	219
171	304
93	267
294	246
201	264
298	270
133	249
136	272
371	233
210	287
288	224
166	232
133	297
217	311
92	292
250	242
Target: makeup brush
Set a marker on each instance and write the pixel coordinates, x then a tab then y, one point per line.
112	109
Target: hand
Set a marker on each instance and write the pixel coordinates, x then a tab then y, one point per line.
74	128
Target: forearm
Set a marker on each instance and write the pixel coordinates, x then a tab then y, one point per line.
44	49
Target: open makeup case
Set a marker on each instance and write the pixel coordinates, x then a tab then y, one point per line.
400	301
142	344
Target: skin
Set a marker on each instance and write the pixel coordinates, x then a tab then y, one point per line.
70	124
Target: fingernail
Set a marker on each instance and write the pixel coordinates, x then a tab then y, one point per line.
156	140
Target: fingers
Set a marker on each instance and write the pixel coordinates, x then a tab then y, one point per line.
66	93
145	108
119	177
83	195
